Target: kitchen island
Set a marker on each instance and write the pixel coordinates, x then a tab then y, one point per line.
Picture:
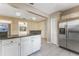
20	45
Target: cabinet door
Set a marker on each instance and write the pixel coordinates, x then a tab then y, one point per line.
0	50
36	41
26	46
10	50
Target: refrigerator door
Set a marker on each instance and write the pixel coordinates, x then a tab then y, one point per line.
62	35
73	35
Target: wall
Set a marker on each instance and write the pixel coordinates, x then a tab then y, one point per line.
43	29
38	26
14	27
34	25
52	28
49	30
31	25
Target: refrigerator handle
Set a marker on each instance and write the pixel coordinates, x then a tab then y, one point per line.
67	32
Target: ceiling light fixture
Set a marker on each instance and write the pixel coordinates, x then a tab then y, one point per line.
33	18
18	14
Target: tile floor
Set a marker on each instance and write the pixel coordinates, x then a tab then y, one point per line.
49	49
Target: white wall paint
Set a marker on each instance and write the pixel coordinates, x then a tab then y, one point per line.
43	29
5	21
49	30
52	30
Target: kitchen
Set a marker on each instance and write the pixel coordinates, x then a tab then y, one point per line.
30	31
19	37
13	39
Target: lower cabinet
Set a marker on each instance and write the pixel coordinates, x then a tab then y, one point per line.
26	46
0	50
23	46
11	48
0	47
36	43
30	45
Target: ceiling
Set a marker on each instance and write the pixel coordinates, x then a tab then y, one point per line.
7	10
49	8
43	8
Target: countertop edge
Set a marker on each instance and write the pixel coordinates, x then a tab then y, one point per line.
21	36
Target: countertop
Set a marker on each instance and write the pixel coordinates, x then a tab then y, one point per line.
20	36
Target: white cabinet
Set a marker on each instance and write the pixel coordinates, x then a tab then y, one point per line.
20	46
36	42
26	46
0	48
30	44
10	48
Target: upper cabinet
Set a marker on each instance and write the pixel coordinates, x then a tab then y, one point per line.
70	16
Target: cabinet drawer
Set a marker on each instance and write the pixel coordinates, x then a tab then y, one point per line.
10	41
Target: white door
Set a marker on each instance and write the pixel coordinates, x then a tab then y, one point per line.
36	42
26	46
10	50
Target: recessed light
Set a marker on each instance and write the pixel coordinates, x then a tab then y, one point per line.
18	14
33	18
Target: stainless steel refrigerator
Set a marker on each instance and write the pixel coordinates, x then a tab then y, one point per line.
69	35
